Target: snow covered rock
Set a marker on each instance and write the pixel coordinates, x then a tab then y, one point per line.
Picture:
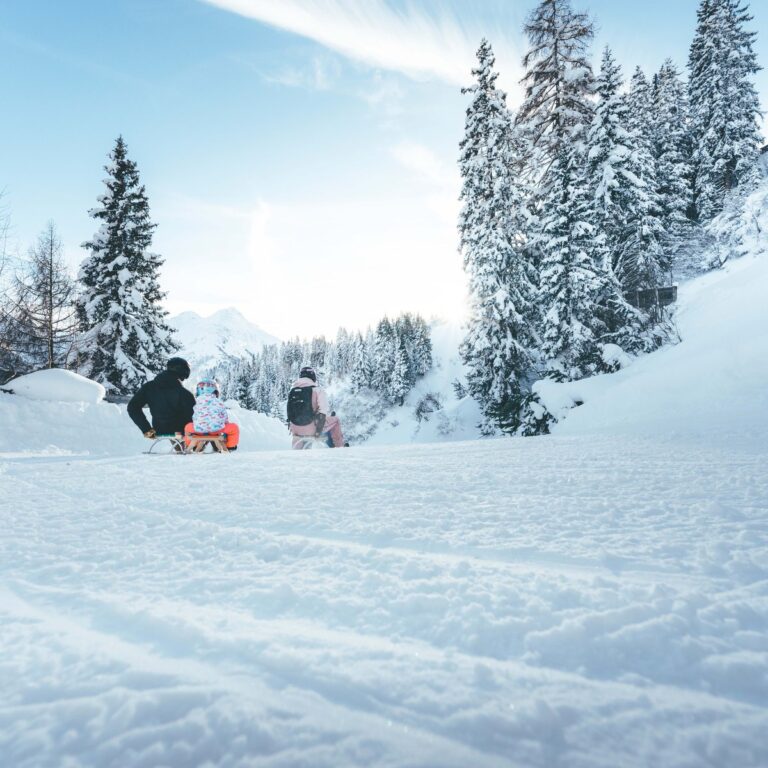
57	385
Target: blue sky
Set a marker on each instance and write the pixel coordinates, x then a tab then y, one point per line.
299	155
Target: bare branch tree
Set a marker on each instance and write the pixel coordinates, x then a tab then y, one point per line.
42	306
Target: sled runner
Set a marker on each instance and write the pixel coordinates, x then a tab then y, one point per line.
167	444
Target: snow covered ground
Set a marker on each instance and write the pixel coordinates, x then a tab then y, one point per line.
592	599
541	602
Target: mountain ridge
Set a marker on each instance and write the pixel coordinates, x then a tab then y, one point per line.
207	340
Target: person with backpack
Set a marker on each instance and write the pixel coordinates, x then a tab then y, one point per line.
210	416
309	414
170	404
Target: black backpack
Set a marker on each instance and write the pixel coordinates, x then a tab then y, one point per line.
300	411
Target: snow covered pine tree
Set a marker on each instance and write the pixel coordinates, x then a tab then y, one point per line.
499	346
671	143
582	303
125	337
640	260
724	104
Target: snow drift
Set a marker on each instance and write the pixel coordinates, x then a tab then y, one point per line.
56	384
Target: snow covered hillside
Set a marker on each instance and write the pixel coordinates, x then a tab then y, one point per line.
711	385
207	340
544	602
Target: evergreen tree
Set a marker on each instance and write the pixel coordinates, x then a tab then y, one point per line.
385	355
360	374
672	151
405	330
640	115
422	347
724	104
581	299
612	184
399	384
609	155
343	352
317	352
640	259
499	346
126	339
572	282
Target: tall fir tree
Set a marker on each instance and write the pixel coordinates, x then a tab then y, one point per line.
400	383
609	155
422	353
126	339
640	115
499	347
672	148
360	374
641	260
724	104
385	348
581	301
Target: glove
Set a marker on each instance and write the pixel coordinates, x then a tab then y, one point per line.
150	434
319	424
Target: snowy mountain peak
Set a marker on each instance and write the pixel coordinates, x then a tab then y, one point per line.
227	332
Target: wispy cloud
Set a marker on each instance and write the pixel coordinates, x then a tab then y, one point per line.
407	40
318	75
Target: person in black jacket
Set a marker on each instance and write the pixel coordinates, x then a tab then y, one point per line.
169	402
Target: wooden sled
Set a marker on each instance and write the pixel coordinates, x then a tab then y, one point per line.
199	442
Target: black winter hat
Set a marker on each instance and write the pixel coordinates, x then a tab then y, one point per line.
179	366
308	372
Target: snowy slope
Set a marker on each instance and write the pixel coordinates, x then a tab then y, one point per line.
583	602
710	386
206	340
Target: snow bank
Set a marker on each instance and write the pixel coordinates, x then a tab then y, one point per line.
42	428
56	384
711	386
